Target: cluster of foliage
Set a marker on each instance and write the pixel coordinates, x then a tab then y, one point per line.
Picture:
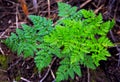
78	38
3	61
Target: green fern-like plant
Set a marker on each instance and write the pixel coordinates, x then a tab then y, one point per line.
26	40
77	38
82	39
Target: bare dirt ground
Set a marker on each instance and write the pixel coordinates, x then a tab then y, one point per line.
14	68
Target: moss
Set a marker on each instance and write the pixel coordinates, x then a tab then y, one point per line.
3	61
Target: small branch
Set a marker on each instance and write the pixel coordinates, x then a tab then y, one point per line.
52	74
35	5
48	8
3	33
98	9
17	17
24	79
45	74
48	70
85	3
15	63
88	75
2	51
3	70
112	36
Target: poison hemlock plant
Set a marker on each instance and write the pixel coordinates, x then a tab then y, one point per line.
78	38
26	40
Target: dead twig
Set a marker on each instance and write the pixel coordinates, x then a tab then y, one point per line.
16	16
3	33
85	3
88	75
48	70
35	5
15	63
24	79
52	74
98	9
2	51
3	70
99	1
48	8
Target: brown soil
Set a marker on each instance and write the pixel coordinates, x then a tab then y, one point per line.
16	68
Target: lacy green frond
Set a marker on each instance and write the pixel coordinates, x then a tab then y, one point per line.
65	10
26	40
23	41
83	40
78	38
66	70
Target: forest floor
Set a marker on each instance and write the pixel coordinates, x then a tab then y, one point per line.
17	69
